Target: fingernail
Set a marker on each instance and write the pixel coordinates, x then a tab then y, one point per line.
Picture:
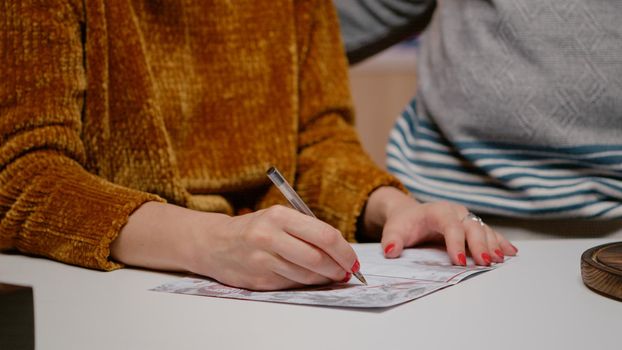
356	267
499	253
486	258
515	249
389	248
347	278
462	259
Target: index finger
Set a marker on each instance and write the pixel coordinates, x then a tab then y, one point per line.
323	236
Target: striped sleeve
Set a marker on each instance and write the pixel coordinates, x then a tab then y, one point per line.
582	181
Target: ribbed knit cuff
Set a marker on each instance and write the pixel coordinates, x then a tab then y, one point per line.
360	188
72	216
338	194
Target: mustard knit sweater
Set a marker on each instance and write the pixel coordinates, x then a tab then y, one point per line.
105	105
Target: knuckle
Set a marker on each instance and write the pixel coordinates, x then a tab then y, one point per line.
337	274
275	213
442	207
461	210
259	259
260	239
262	283
445	204
309	278
315	260
329	236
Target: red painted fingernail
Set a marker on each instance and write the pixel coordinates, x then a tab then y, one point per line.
462	259
347	278
515	249
486	258
499	253
356	267
389	248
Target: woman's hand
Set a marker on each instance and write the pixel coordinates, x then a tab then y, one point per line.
270	249
403	222
275	248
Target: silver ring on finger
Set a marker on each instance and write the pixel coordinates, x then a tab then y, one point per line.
471	216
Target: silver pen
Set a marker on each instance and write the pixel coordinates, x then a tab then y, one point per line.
294	199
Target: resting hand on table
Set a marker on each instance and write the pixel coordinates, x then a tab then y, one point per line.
275	248
401	222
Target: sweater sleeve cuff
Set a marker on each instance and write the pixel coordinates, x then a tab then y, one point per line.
339	197
73	216
372	181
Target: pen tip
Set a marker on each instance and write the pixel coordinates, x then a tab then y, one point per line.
360	277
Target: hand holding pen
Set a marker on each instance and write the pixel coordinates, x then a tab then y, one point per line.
297	202
269	249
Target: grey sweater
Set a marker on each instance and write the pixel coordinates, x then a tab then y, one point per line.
533	72
519	109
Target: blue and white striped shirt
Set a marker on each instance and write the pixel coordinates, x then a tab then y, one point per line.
584	181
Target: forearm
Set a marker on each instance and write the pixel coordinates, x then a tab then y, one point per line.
162	236
275	248
370	26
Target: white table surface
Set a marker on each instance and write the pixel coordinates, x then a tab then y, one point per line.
536	301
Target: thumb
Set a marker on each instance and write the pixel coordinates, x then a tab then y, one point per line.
392	243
